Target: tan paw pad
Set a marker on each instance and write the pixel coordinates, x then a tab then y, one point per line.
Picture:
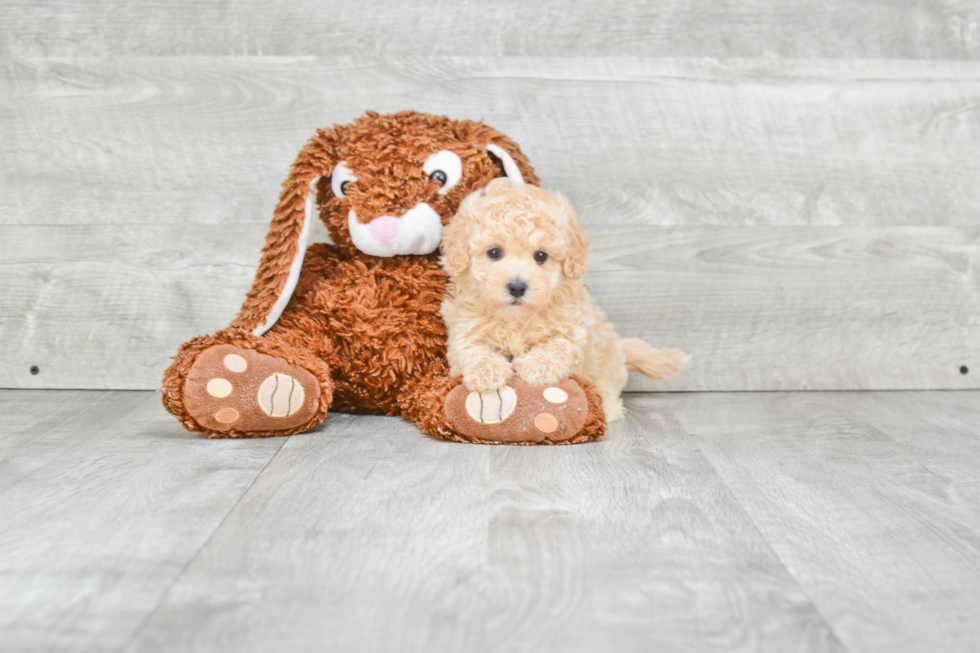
491	407
546	423
219	387
235	363
226	415
555	395
280	395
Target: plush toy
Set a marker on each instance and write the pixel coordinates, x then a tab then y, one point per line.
354	326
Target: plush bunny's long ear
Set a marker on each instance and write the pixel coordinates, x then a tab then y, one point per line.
511	169
285	244
503	151
295	245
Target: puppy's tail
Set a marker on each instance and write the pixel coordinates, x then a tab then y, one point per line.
658	364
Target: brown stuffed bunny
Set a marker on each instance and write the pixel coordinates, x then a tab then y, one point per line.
355	326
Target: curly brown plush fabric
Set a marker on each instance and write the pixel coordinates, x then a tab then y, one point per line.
367	328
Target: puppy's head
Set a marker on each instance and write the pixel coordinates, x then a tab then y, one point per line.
515	246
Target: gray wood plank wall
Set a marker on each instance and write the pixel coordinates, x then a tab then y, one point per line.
872	29
790	193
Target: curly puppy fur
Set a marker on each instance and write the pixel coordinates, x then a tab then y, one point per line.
515	255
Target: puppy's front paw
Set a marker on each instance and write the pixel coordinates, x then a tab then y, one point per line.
537	368
488	374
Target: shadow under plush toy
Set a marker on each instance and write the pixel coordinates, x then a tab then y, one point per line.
355	326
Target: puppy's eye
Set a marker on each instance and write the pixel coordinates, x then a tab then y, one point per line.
495	253
540	256
438	175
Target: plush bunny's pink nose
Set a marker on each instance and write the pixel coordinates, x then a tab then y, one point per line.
384	228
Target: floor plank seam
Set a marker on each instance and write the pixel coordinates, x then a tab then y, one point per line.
898	444
762	536
190	561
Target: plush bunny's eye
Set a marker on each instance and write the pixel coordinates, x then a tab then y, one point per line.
444	167
540	257
438	175
495	253
340	178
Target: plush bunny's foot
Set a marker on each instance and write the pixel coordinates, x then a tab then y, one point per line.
564	413
234	390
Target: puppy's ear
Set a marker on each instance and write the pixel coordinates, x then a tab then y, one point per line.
455	246
574	264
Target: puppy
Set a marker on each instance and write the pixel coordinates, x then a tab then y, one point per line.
515	255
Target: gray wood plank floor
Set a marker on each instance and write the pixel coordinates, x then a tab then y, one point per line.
704	522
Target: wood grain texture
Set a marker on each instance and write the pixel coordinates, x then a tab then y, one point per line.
761	308
135	194
110	312
630	141
365	535
368	536
703	522
905	29
103	503
632	544
798	308
862	498
947	446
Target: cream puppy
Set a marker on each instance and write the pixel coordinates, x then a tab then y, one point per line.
515	255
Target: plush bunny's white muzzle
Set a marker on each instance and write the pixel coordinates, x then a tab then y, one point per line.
417	231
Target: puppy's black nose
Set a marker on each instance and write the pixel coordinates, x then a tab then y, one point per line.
517	289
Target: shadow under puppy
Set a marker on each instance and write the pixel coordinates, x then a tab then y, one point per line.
515	255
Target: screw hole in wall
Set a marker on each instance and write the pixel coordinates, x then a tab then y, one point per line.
964	369
35	370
